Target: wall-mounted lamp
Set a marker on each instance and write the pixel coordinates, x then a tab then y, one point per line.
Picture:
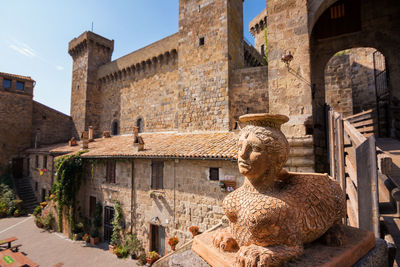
156	220
287	59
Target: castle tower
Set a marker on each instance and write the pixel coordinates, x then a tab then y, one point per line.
210	46
89	51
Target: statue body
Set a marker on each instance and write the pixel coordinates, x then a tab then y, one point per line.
274	213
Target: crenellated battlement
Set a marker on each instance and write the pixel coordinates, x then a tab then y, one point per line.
80	43
259	23
145	61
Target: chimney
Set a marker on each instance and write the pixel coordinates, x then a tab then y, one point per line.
138	143
91	134
85	140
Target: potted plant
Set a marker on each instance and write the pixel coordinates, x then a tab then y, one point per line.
152	256
173	241
116	223
194	230
86	238
94	237
142	259
133	245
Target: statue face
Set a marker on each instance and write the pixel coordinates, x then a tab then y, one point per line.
253	157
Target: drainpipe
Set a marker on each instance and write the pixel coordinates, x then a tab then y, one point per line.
133	196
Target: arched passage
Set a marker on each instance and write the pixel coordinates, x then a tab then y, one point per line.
376	23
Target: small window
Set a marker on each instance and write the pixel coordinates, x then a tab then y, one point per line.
6	83
201	41
262	50
36	161
110	178
214	174
20	86
115	129
44	162
43	194
157	172
36	186
92	206
139	124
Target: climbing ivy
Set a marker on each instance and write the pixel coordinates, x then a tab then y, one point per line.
116	223
67	184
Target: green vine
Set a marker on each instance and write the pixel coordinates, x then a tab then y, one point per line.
67	184
116	223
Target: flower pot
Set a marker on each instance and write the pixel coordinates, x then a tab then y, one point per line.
194	234
134	256
94	240
111	248
173	247
39	224
151	261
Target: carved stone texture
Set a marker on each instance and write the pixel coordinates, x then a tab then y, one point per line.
274	213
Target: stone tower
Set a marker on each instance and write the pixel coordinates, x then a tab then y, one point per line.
89	51
210	46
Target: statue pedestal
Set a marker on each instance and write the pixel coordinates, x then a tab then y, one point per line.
357	243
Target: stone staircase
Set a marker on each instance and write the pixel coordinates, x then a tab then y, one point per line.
25	192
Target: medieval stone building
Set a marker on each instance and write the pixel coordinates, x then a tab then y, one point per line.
185	93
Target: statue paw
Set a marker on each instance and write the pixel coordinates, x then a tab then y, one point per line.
225	241
256	256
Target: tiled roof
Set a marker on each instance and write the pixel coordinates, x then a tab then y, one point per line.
9	75
208	145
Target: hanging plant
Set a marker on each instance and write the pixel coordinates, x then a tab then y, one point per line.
67	184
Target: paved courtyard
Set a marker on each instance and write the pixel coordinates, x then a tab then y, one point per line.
53	249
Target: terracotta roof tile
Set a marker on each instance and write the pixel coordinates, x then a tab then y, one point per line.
9	75
211	145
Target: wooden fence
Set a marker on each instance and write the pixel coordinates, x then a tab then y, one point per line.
353	165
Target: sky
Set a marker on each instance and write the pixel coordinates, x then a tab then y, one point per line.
35	36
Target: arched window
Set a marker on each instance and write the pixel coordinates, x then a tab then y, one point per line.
139	124
115	128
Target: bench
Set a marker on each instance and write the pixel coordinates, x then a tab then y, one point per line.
8	241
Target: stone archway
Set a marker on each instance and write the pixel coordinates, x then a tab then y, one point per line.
379	28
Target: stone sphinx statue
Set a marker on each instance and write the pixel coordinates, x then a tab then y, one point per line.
274	213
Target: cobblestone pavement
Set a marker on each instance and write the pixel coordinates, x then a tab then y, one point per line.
53	249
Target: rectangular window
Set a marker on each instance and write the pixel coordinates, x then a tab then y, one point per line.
36	186
6	83
92	206
214	174
201	41
110	178
44	162
36	161
262	50
20	86
157	172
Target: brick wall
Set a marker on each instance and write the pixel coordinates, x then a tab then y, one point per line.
55	127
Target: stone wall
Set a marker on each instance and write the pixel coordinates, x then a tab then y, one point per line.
188	198
289	88
41	181
54	126
203	69
248	92
15	124
149	94
350	82
338	88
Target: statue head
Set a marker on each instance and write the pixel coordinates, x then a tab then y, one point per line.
263	149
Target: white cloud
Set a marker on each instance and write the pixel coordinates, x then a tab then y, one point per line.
58	67
23	49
